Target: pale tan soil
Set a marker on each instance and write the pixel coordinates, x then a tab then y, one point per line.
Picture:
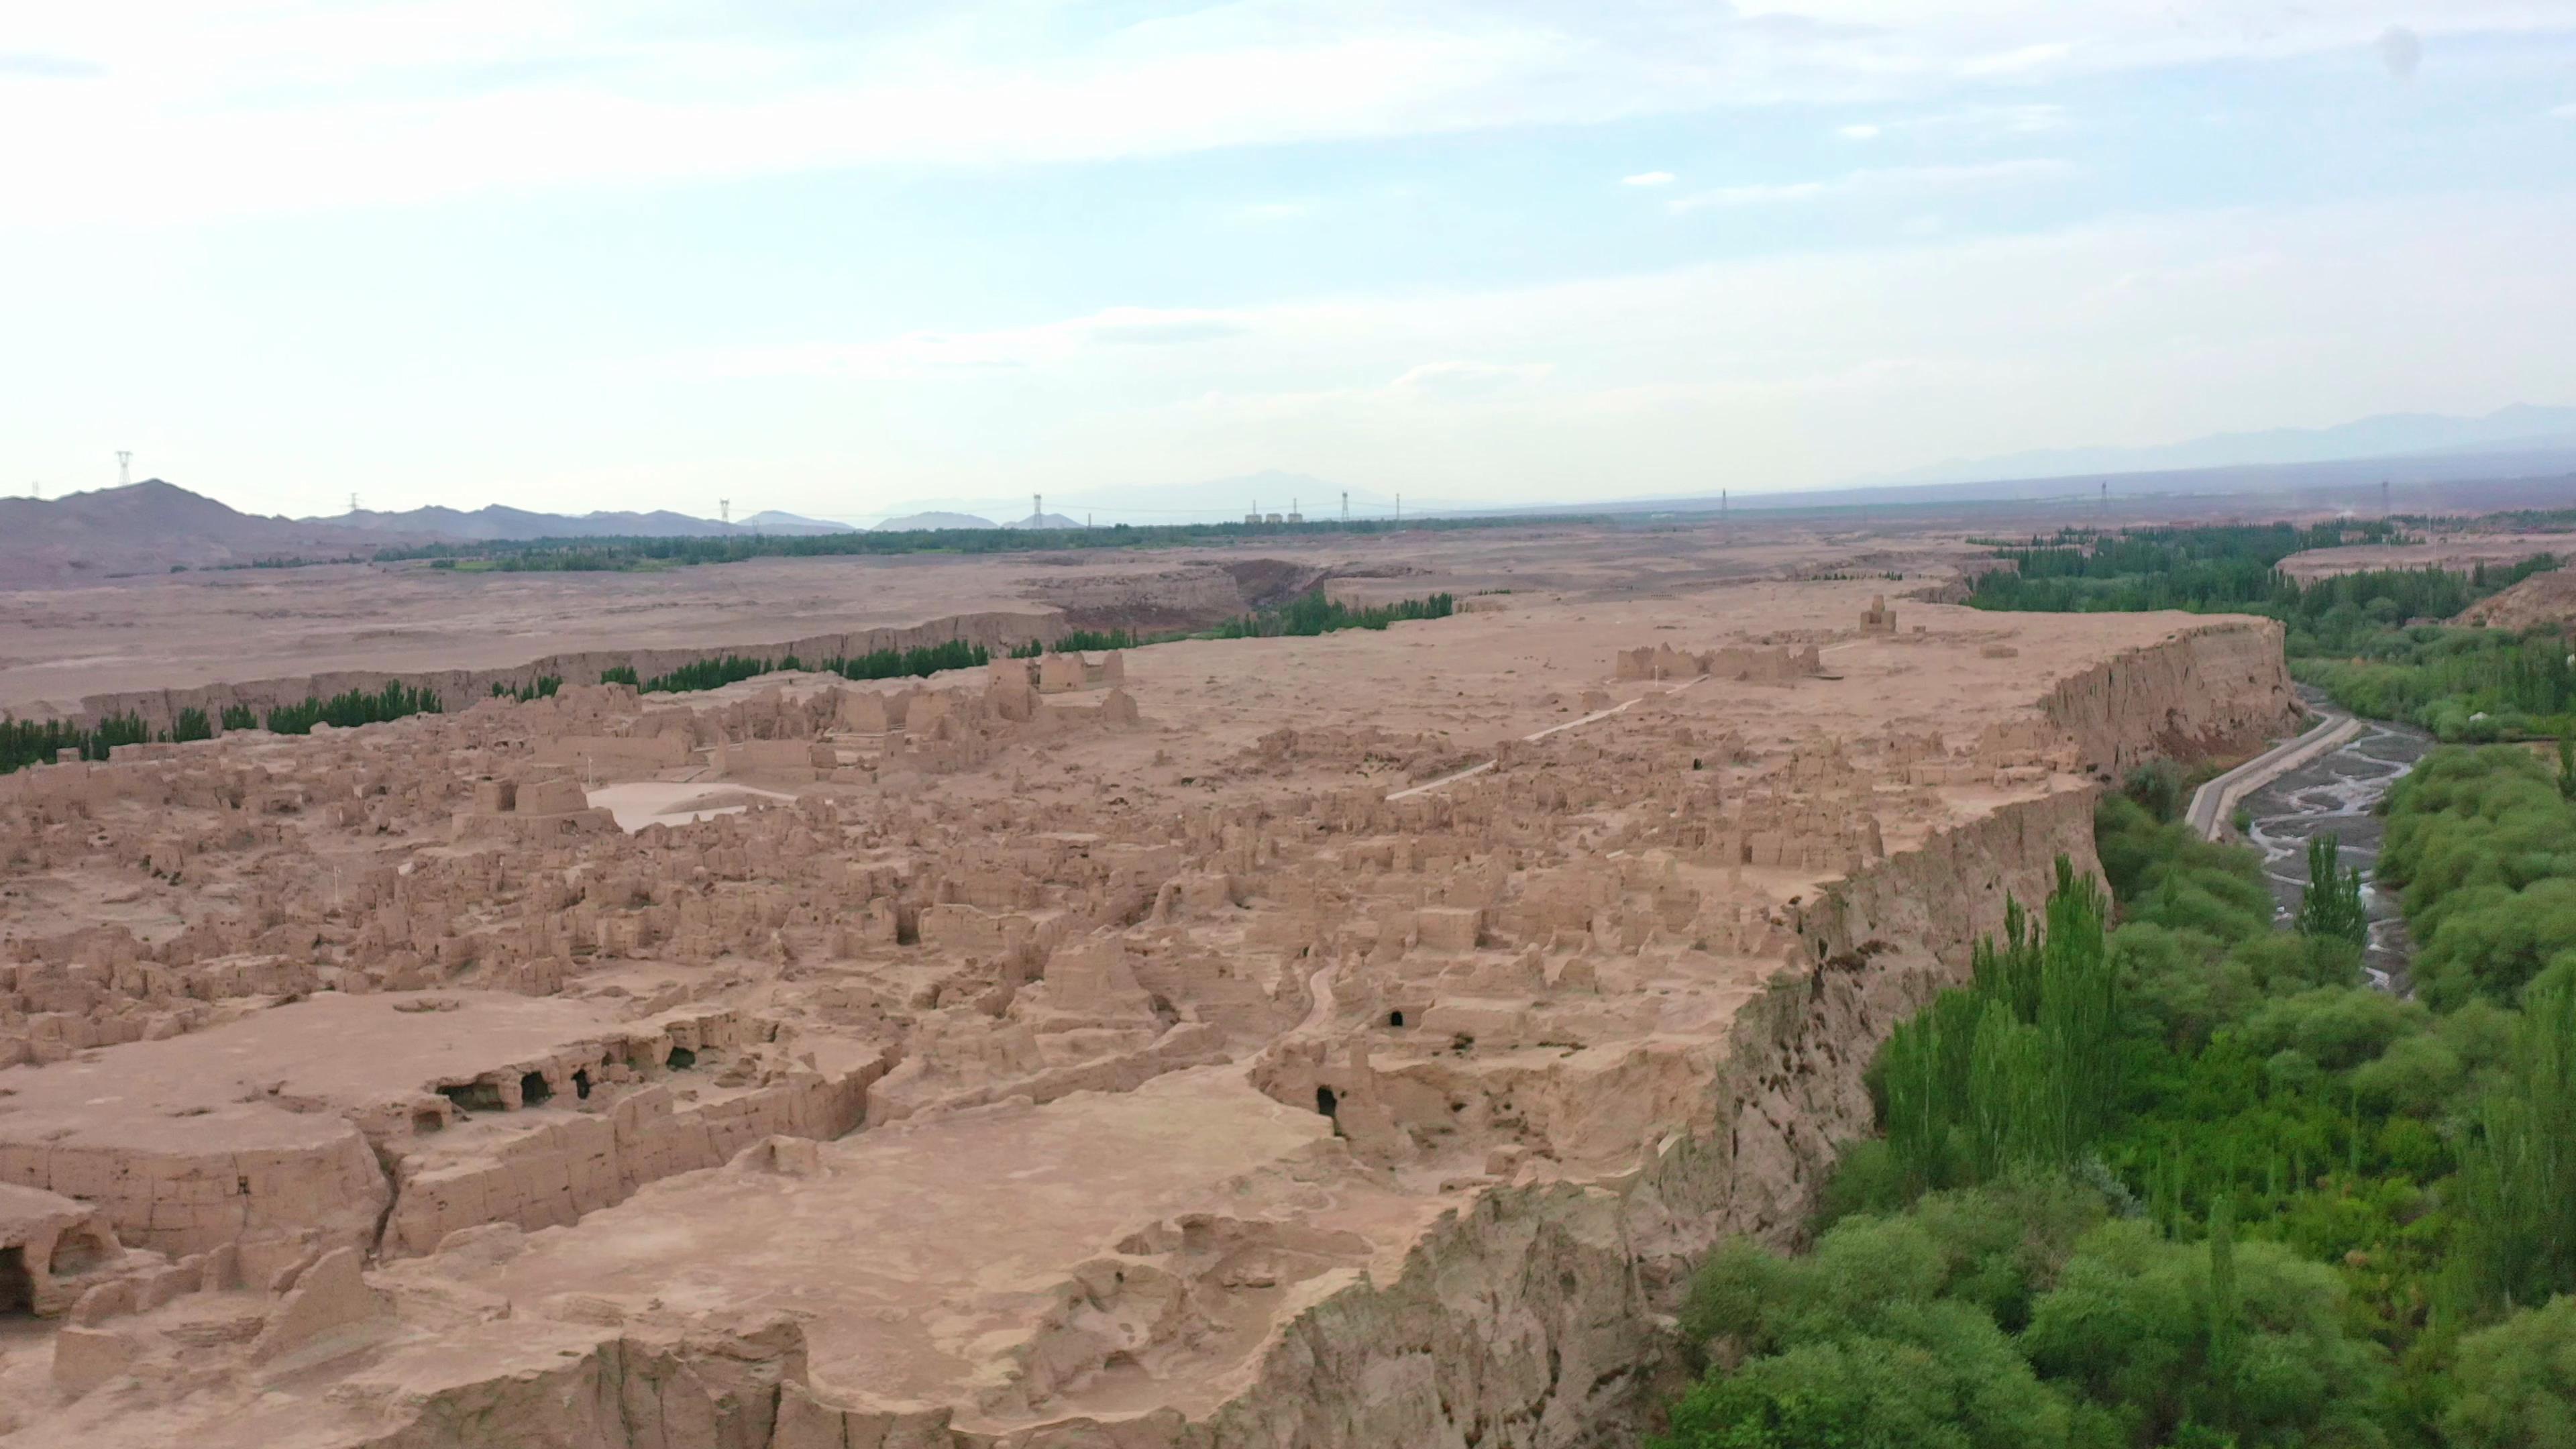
1120	1065
2546	598
2457	552
178	631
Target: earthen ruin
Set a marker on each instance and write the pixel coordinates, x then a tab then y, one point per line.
1339	1041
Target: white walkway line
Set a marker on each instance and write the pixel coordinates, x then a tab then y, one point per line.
1540	735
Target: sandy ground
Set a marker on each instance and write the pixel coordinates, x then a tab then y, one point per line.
183	630
638	803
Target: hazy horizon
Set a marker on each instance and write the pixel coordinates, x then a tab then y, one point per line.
573	257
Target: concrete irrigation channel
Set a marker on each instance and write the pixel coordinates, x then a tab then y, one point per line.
2329	779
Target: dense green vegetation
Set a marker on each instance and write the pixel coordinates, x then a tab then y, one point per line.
1313	613
353	707
1085	641
36	742
542	687
878	664
2362	637
2223	567
716	673
910	663
2163	1174
595	554
30	742
2465	685
1309	613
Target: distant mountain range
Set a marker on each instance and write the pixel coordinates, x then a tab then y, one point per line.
494	522
935	519
2521	427
155	527
938	518
771	520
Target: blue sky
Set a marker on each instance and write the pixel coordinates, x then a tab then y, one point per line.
840	258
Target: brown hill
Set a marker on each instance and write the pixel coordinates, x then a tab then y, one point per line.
153	527
2548	598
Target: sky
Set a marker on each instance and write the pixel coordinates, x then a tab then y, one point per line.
839	258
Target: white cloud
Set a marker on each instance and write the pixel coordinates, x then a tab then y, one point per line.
1794	371
962	355
1466	380
1887	182
2566	112
178	109
1859	131
1649	178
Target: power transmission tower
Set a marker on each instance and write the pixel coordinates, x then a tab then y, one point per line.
1399	508
1037	510
124	474
353	503
2383	498
1346	505
724	509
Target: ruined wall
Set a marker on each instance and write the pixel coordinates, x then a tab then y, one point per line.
1532	1321
181	1200
567	1168
2218	689
459	688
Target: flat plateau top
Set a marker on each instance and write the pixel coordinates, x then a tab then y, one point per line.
282	1076
232	626
937	1257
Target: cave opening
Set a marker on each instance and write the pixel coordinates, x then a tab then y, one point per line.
1327	1103
581	1083
680	1059
1395	1018
473	1096
534	1089
17	1288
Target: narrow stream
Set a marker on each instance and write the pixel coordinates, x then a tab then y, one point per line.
2337	792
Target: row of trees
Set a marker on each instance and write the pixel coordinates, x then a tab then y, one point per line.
2011	1072
36	742
596	554
1313	613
